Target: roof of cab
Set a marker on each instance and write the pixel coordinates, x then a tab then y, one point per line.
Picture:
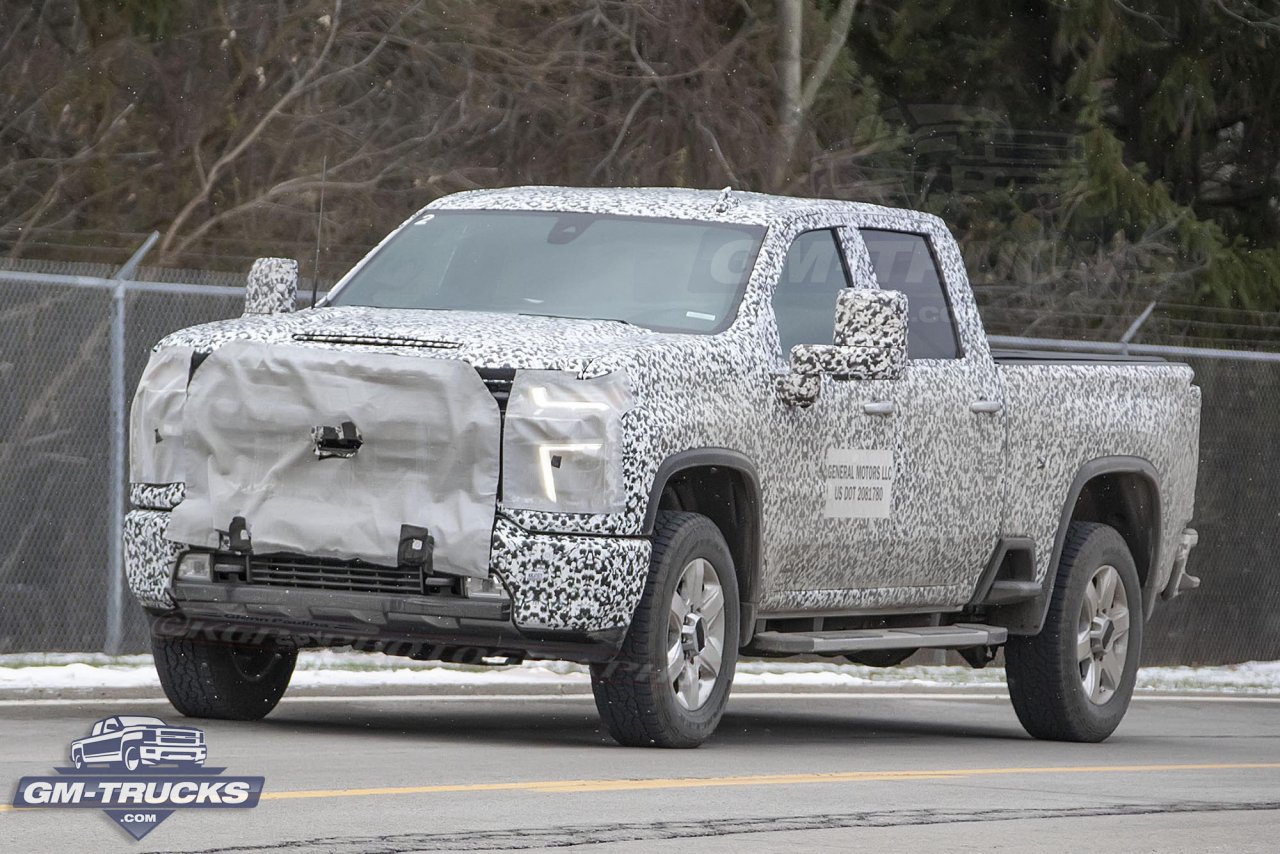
672	202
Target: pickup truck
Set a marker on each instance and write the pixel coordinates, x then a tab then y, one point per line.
132	741
653	430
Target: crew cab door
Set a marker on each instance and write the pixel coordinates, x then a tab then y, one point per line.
948	416
819	557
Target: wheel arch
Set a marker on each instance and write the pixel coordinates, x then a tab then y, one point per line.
1122	492
699	480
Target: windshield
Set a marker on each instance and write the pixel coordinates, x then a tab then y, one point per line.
667	275
139	720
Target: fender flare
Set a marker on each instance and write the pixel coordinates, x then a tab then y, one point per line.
753	545
1028	618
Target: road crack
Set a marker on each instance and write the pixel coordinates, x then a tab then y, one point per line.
568	836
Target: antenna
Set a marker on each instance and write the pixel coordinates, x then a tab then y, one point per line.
315	267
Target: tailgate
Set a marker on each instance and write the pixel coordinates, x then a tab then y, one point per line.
429	457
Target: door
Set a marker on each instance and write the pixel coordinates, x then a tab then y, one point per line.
949	422
828	475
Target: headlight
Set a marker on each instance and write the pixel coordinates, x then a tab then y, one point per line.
561	443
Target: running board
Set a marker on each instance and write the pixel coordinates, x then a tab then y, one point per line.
959	636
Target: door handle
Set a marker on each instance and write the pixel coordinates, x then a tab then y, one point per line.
878	407
987	407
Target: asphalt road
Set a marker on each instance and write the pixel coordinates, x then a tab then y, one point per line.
812	772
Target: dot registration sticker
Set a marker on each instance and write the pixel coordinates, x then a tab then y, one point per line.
858	483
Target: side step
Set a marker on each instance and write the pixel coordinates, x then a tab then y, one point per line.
959	636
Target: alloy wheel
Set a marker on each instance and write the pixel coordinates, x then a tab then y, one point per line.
695	634
1102	634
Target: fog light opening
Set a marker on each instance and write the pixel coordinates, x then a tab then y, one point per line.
195	566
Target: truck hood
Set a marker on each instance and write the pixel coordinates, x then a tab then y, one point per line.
481	338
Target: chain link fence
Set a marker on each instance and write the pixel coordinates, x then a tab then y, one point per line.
65	328
62	466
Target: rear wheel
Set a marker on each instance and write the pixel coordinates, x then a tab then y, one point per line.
1074	680
208	679
669	683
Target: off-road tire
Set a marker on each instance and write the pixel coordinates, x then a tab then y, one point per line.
207	679
635	700
1043	671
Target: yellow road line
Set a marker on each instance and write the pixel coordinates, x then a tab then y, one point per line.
575	786
560	786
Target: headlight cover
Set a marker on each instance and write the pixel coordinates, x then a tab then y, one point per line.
155	422
562	443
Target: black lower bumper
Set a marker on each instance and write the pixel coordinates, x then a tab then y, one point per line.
423	627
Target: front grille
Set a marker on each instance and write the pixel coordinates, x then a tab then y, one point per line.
498	381
347	576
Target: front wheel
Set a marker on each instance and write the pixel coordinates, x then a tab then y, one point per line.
1074	680
132	759
209	679
668	684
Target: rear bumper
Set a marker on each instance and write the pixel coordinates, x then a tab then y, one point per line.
1180	581
563	588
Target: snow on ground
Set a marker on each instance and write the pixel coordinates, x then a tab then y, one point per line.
345	670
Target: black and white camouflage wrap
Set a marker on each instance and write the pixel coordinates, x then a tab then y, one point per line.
272	287
149	558
871	318
574	583
799	389
1062	416
870	342
857	362
956	486
156	496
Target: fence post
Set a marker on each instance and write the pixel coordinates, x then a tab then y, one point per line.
116	478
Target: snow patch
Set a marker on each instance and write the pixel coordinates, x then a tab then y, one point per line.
331	669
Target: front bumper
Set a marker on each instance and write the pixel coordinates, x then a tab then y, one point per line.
173	753
559	584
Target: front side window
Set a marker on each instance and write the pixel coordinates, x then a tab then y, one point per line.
904	263
667	275
804	302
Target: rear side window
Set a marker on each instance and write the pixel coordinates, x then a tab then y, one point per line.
805	299
903	262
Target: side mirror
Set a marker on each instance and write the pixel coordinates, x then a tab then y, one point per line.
272	287
873	318
870	338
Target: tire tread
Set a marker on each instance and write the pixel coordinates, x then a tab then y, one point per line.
624	688
200	679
